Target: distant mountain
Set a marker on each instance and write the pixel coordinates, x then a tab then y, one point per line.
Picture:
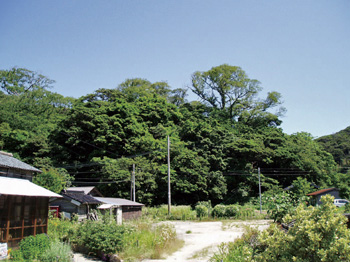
338	145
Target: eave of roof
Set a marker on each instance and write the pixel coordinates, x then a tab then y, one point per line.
118	201
322	191
23	187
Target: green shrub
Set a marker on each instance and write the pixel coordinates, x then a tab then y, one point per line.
218	211
182	213
246	212
101	237
158	213
32	247
280	205
231	211
201	211
315	234
57	251
61	229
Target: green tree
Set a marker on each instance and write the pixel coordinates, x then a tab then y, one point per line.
29	112
229	89
54	179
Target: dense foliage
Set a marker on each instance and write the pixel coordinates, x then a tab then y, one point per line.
314	234
339	146
217	143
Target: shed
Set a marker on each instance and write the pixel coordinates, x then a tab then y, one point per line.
76	202
130	209
316	196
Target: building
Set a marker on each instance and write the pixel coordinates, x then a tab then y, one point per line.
129	209
316	196
23	204
75	202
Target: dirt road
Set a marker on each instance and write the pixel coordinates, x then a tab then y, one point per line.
202	238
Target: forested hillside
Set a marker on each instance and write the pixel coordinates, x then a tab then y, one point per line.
217	143
338	145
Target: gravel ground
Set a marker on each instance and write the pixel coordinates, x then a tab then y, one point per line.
202	238
83	258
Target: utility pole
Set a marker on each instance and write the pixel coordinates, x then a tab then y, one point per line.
131	186
169	193
259	189
133	172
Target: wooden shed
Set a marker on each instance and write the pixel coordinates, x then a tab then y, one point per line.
129	209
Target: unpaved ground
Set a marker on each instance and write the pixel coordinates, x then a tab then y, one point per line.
202	238
84	258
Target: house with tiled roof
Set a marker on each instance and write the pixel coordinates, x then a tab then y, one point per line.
23	204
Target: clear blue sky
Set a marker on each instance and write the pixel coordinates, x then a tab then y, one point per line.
300	48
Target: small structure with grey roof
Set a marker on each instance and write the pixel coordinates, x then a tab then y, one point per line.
316	196
76	202
130	209
88	190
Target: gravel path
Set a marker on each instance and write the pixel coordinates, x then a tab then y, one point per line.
83	258
202	238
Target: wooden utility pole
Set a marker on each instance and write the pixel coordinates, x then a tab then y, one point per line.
259	189
169	192
133	183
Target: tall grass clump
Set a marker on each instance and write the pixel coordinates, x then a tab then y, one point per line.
149	241
58	251
182	213
177	213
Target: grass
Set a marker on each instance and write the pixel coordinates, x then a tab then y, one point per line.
202	254
150	241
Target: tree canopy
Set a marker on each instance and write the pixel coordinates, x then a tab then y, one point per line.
217	143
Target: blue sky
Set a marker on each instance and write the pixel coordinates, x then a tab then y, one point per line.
298	48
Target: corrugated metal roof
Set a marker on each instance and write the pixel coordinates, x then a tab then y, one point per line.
322	191
118	201
8	161
23	187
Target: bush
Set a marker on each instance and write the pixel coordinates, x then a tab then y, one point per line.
318	234
280	205
61	229
315	234
201	211
218	211
32	247
101	237
231	210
